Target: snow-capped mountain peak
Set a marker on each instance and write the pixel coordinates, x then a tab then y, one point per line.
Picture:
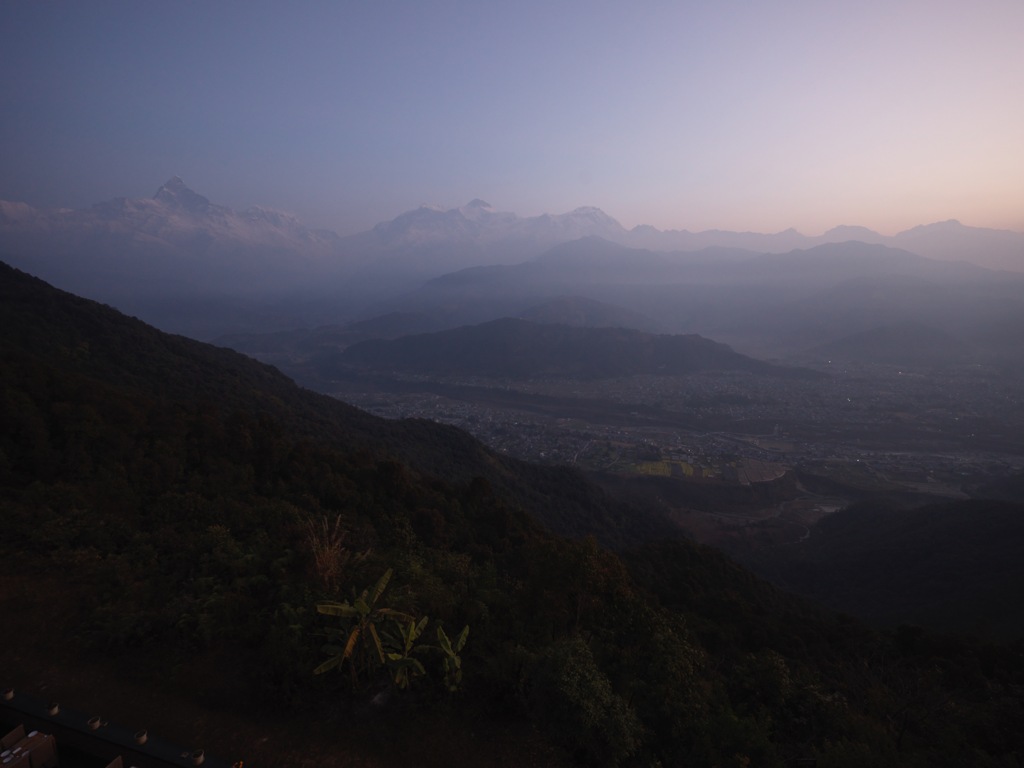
477	209
177	195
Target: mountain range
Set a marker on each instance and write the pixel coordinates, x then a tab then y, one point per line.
764	304
180	226
177	232
191	266
499	235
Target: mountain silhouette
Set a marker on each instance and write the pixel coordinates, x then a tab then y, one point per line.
520	349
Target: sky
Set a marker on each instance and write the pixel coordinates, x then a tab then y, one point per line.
753	115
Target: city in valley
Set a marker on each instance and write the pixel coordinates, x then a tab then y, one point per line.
754	453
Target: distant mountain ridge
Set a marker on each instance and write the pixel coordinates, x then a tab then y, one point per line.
518	349
907	344
177	240
479	219
174	212
762	303
476	229
430	240
190	265
478	224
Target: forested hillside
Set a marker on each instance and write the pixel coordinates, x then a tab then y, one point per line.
186	510
953	566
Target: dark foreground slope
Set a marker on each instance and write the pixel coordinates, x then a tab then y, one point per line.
954	567
172	514
62	332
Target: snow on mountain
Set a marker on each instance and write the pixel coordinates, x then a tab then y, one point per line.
478	225
175	194
16	212
176	243
174	215
190	265
178	230
477	209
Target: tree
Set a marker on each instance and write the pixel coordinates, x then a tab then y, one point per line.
362	649
452	659
567	691
404	667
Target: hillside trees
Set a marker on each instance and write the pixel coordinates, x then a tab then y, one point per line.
163	508
360	641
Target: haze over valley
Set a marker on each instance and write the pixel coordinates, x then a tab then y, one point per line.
191	265
796	363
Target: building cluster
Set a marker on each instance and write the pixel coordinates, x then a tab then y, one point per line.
898	426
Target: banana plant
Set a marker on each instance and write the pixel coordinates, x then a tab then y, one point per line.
362	649
452	658
404	667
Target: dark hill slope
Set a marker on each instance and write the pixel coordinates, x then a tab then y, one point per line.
512	348
167	518
908	344
48	327
63	331
952	567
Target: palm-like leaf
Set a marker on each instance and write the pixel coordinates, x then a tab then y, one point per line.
452	660
444	642
364	650
328	665
382	584
337	609
377	647
351	644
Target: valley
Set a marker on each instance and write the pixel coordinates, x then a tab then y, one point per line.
870	431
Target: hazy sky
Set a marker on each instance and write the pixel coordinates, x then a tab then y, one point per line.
734	114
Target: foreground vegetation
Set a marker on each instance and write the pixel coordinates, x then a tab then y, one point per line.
196	503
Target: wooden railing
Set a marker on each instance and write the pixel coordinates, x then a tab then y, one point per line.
37	732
